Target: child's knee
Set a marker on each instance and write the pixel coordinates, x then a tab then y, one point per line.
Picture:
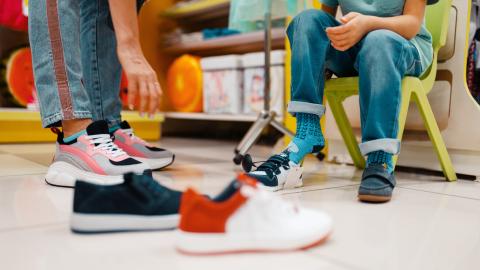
380	46
310	22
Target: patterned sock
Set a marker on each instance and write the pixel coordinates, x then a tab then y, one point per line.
309	137
381	157
74	136
113	128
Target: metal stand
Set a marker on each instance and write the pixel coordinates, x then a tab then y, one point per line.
266	116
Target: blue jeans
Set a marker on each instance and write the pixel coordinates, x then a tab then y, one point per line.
77	72
381	59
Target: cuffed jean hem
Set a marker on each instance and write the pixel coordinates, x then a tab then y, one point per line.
305	107
55	119
112	122
391	146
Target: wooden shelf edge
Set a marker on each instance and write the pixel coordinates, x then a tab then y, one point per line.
195	8
241	43
214	117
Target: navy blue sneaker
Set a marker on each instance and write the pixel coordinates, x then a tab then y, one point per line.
278	172
377	184
139	203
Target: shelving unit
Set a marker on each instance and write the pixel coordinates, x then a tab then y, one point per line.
212	117
21	126
204	13
198	11
235	44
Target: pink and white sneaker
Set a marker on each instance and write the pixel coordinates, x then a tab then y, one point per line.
156	158
246	218
92	157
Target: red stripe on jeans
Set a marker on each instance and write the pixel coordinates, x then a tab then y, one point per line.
59	60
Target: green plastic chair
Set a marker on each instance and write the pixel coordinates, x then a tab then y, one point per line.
413	88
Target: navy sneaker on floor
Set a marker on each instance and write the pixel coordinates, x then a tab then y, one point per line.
139	203
278	172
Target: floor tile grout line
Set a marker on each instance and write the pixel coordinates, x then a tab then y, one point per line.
29	227
28	174
440	193
318	189
333	260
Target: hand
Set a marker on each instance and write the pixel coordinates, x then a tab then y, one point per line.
355	26
143	87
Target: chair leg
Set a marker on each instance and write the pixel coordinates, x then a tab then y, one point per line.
402	115
346	130
434	133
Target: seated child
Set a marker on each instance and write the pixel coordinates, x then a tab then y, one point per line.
379	41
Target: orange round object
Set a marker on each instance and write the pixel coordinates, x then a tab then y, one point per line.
185	84
19	76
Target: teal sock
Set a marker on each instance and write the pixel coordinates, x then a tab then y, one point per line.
309	137
113	128
74	136
381	157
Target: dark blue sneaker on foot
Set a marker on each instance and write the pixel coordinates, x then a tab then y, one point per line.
377	184
139	203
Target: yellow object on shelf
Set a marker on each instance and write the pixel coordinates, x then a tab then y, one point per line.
22	126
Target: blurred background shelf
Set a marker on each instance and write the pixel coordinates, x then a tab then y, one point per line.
212	117
235	44
198	11
21	125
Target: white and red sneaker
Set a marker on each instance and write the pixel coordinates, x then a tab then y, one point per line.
92	157
246	218
156	158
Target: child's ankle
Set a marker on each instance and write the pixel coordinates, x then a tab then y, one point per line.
381	157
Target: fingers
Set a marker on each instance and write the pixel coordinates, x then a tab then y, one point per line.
132	91
348	17
153	101
342	29
143	94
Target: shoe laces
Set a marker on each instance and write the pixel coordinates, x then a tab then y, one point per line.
129	132
104	142
274	163
272	203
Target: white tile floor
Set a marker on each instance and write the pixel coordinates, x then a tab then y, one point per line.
430	224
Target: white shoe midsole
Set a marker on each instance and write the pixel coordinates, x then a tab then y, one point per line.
115	222
156	163
61	173
205	243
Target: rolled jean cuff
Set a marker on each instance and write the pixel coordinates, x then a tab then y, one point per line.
305	107
391	146
55	119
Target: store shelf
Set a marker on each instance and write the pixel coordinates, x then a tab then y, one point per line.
21	125
213	117
241	43
198	11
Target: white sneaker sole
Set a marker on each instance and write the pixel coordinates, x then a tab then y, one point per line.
156	164
96	223
220	243
64	174
299	184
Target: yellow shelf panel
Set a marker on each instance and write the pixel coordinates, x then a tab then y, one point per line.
22	126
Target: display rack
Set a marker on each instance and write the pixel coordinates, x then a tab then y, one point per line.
24	126
199	12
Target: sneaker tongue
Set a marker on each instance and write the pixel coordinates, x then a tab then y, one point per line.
125	125
98	127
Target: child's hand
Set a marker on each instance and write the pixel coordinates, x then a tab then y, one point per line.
355	26
143	87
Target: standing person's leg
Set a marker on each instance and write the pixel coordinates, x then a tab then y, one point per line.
383	60
54	40
101	68
88	152
312	53
102	75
